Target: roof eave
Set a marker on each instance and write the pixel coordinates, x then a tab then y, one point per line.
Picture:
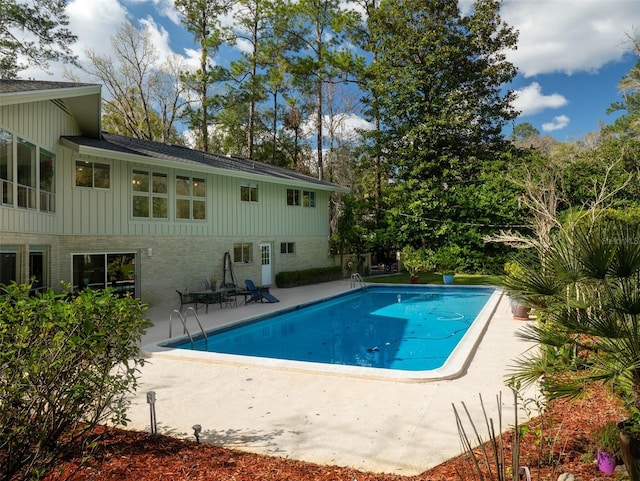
195	166
84	101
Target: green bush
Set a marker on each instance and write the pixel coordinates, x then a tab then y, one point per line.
308	276
66	365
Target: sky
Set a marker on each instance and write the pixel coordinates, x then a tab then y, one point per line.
571	54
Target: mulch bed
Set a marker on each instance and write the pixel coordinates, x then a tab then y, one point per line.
556	442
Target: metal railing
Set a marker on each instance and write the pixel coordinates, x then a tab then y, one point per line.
357	281
183	319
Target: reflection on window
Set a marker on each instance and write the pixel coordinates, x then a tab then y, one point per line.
293	197
26	174
6	167
47	181
190	198
98	271
93	174
249	193
150	198
242	253
308	198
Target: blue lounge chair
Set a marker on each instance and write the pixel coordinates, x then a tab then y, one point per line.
261	294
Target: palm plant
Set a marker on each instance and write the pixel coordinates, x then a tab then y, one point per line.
586	288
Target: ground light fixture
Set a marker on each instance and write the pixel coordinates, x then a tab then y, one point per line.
197	429
151	399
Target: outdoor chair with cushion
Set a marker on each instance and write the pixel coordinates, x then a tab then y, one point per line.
261	294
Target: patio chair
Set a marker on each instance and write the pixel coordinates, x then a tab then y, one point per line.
186	299
261	294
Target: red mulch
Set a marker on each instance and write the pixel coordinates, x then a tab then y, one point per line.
564	446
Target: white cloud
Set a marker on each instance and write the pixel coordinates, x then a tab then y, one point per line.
347	127
93	28
159	38
569	36
165	8
559	122
530	100
244	45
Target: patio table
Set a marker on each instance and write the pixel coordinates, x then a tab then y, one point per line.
208	296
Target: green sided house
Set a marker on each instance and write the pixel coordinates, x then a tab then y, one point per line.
82	206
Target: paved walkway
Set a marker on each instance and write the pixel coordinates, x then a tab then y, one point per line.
372	425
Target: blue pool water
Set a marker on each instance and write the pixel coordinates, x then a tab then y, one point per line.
392	327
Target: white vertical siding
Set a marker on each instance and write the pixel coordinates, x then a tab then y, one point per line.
107	212
40	123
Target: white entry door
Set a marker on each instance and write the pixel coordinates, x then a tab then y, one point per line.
265	255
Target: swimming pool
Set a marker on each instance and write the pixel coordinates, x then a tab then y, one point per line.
386	331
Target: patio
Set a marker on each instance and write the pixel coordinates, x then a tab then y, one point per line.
373	425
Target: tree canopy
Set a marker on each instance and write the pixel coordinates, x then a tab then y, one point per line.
33	33
436	86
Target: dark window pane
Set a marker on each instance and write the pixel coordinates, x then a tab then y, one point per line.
140	206
101	176
140	181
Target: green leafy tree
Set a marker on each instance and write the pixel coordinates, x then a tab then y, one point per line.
628	124
524	131
66	365
36	30
372	161
437	87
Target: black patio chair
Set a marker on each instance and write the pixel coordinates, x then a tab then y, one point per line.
186	299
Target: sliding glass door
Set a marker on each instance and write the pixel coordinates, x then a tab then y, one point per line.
98	271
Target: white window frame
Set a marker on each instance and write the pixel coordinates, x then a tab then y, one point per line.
150	194
245	249
251	191
92	163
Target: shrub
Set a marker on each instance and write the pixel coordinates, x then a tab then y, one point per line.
308	276
417	260
66	365
607	438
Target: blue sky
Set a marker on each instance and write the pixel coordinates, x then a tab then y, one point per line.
571	53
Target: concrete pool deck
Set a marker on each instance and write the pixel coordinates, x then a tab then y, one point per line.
372	425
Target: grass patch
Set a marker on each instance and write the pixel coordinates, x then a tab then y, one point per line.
431	278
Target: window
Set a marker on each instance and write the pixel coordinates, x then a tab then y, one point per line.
242	253
150	194
6	167
99	271
190	198
93	174
38	266
249	193
287	248
9	264
308	198
26	174
47	181
293	197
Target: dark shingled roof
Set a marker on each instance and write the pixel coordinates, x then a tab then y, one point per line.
14	86
176	153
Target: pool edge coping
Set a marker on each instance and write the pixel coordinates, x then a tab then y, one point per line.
455	365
